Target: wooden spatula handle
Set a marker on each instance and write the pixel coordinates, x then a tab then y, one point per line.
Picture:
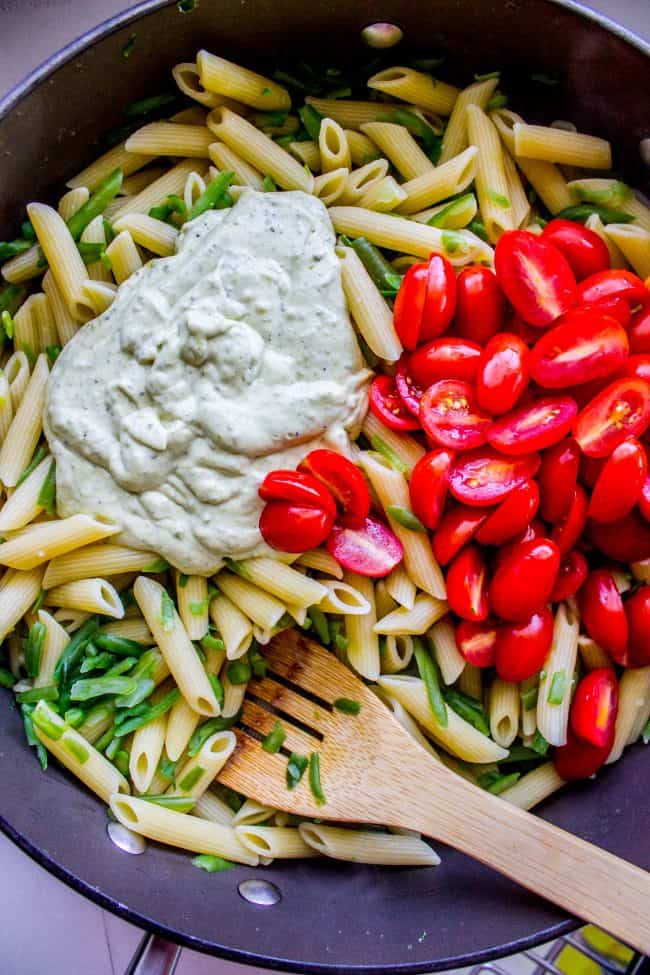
585	880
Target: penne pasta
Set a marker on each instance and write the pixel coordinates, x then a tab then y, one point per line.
443	643
281	581
195	775
633	709
156	235
401	587
360	181
124	256
234	626
363	643
283	842
362	149
399	146
182	722
634	244
147	748
193	601
416	87
533	787
262	608
117	158
171	139
88	595
491	180
402	449
455	138
24	506
503	711
343	598
333	147
171	182
359	846
444	181
426	611
555	683
545	178
210	806
59	248
370	312
43	541
227	160
330	186
561	146
396	653
384	196
232	81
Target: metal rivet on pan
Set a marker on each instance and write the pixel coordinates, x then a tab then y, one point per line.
125	839
644	148
260	892
382	35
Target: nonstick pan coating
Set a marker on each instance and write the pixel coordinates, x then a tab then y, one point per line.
331	916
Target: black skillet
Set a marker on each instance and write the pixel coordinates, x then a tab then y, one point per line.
331	917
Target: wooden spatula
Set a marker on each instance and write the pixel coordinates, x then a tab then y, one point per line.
372	771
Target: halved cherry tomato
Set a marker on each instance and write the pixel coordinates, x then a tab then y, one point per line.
299	488
480	305
594	707
523	647
429	485
294	528
534	426
409	391
386	404
456	528
637	611
636	367
572	573
578	759
484	477
626	540
614	306
639	331
345	481
425	302
644	499
446	358
476	642
451	417
467	584
566	532
583	346
502	373
617	282
517	326
620	482
622	410
372	550
536	529
512	517
585	251
557	478
523	583
535	276
603	614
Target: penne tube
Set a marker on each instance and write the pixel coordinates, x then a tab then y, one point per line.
416	87
171	182
282	581
545	178
554	696
62	255
362	149
455	138
193	601
194	777
6	406
371	313
262	608
503	711
94	233
210	806
363	643
171	139
333	146
72	201
351	114
470	682
426	611
66	325
131	629
96	297
443	643
396	653
616	259
18	593
98	560
308	154
343	598
533	787
320	560
450	216
392	490
257	149
24	266
251	813
226	160
384	196
88	595
365	846
233	697
187	77
23	505
634	244
491	180
399	146
592	655
403	449
360	181
440	183
43	541
234	627
397	233
633	709
43	319
25	337
232	81
401	587
182	722
17	373
77	754
528	691
179	829
516	192
156	235
283	842
330	186
457	736
147	748
133	185
124	256
117	158
561	146
175	645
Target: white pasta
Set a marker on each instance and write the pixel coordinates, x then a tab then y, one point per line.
330	186
384	196
116	158
43	541
234	626
61	254
560	146
233	81
17	373
363	643
283	842
23	505
321	560
370	312
406	451
449	659
89	595
195	775
171	139
55	642
634	243
262	608
333	146
156	235
555	686
364	846
66	325
447	180
416	87
592	655
226	160
210	806
282	581
396	653
633	709
533	787
147	747
25	429
398	145
192	600
401	587
455	138
182	722
545	178
124	256
426	611
503	711
171	182
491	180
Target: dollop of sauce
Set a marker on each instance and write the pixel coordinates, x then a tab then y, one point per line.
232	358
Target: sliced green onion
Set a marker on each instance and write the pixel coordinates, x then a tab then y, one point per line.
12	248
529	698
27	231
582	211
318	618
167	769
487	76
121	667
119	645
539	743
440	218
7	679
478	227
312	120
145	106
28	712
85	690
431	142
154	711
142	691
428	671
47	494
498	100
405	518
211	863
346	705
215	196
645	734
239	671
209	642
183	804
49	692
314	779
217	689
295	769
496	783
77	750
74	717
269	184
188	781
498	198
34	648
612	195
8	325
167	612
468	708
44	723
96	204
275	739
39	455
159	565
208	728
382	273
453	241
100	661
388	454
557	689
121	762
257	662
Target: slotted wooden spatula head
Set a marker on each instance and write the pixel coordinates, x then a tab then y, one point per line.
362	757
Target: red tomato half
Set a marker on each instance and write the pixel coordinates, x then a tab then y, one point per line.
480	305
299	488
372	550
294	528
626	540
457	527
429	484
523	583
578	759
614	306
467	584
636	367
409	391
557	478
446	358
567	530
617	282
639	331
644	499
512	517
572	573
345	482
535	276
603	614
585	251
536	529
425	302
583	346
533	427
620	482
637	611
450	415
622	410
476	642
484	477
386	404
502	373
594	707
522	648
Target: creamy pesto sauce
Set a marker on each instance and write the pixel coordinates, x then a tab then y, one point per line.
232	358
